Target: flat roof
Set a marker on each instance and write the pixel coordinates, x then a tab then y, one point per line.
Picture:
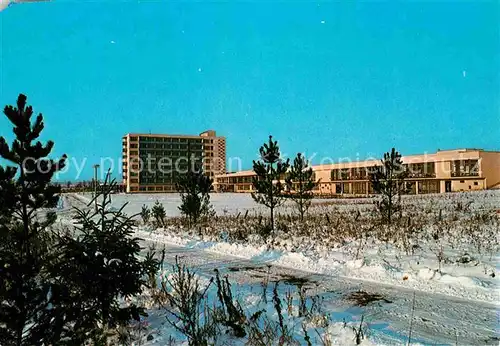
237	174
202	135
163	135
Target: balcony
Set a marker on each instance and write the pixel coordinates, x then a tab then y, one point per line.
465	174
356	177
421	175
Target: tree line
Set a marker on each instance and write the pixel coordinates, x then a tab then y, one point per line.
271	170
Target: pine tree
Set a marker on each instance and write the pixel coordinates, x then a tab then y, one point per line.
159	214
269	170
300	181
194	188
388	180
27	295
98	264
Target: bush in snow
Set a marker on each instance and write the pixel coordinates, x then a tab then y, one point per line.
187	311
230	314
145	214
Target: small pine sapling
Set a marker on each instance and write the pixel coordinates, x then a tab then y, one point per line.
159	214
300	182
269	170
101	265
194	188
388	180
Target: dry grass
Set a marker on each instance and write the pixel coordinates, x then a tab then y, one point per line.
459	222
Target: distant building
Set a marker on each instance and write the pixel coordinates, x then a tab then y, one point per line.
443	171
152	162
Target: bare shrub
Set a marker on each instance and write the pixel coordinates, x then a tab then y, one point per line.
186	311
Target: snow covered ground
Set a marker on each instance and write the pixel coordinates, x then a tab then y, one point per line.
226	203
447	255
438	318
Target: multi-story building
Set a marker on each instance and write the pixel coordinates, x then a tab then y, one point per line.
443	171
152	162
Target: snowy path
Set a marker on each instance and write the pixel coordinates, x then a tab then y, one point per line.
437	318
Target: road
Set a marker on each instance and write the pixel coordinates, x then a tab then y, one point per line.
437	319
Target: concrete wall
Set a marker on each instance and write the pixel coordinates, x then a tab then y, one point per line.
323	175
219	164
490	169
443	170
467	185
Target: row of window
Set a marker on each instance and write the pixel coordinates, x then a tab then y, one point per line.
165	155
362	188
243	180
192	147
414	170
245	187
425	186
158	181
169	140
165	188
168	158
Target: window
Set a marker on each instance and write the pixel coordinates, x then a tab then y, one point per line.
430	170
462	181
334	174
345	188
465	168
339	174
358	173
359	188
476	183
428	186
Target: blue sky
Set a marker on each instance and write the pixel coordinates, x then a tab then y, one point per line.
335	79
